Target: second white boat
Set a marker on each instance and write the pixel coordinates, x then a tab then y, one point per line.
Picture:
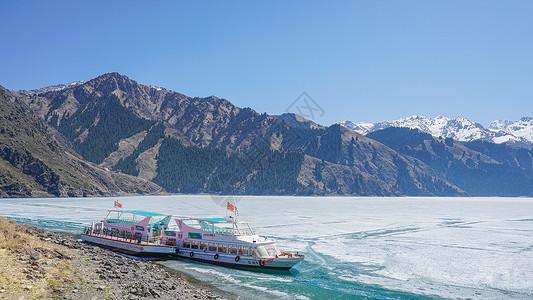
229	242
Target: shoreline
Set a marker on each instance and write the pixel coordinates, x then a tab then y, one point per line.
38	263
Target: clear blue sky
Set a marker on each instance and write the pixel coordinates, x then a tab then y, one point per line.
360	60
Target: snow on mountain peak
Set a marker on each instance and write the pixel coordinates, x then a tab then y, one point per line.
57	87
498	125
459	128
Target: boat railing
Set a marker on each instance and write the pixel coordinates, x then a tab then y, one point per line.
290	255
222	230
229	232
106	232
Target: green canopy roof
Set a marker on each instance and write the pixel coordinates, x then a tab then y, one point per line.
214	219
144	213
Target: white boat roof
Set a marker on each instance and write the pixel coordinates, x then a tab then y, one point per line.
214	220
139	212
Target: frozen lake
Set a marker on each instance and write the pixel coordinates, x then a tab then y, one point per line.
356	247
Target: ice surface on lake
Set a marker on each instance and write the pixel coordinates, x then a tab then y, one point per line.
356	247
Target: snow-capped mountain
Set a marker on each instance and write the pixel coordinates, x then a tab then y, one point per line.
522	128
51	88
519	133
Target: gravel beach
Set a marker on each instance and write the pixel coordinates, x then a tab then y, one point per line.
35	263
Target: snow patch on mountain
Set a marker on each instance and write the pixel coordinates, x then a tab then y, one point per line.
498	125
519	133
57	87
362	128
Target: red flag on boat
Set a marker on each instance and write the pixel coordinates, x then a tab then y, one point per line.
231	207
118	204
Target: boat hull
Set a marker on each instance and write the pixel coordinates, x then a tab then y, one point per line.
229	260
127	247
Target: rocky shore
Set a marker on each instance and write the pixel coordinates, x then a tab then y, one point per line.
37	264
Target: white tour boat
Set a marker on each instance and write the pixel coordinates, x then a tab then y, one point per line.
134	232
229	242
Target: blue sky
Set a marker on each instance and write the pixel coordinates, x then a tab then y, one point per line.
359	60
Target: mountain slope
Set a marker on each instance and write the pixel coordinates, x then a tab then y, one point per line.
479	168
33	163
518	133
207	144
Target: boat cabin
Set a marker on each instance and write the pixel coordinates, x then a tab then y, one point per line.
142	226
223	235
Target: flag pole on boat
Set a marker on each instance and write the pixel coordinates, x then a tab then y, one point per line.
118	204
233	209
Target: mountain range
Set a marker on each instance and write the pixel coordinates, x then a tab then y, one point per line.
207	145
518	133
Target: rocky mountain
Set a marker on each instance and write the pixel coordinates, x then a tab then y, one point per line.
33	163
518	133
479	168
192	145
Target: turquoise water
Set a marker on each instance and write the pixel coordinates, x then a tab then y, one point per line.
356	247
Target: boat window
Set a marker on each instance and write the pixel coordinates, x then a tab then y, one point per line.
194	245
261	251
186	244
243	250
232	249
222	248
271	250
213	247
203	246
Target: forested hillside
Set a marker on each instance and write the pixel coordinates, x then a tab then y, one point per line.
194	145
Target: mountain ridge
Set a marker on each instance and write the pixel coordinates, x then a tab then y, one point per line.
518	133
57	87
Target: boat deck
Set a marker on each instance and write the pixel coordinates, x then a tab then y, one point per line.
125	240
